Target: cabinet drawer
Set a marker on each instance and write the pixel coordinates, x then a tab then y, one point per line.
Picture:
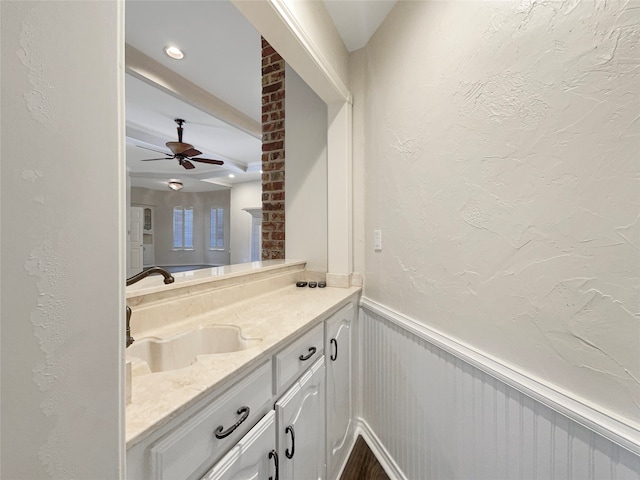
291	362
192	448
252	457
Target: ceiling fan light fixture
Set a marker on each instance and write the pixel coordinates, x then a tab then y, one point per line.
175	185
185	153
174	52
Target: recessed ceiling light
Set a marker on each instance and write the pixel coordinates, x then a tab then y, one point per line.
231	175
174	52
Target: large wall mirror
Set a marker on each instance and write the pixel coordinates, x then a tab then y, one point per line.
184	213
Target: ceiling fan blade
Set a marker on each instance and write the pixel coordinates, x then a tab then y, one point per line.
208	160
153	150
187	164
192	152
152	159
178	147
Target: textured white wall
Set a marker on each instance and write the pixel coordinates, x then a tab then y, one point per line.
243	195
500	143
306	174
63	220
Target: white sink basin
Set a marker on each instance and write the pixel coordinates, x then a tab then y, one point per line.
182	350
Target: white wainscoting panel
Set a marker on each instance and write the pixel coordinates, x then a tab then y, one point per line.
437	416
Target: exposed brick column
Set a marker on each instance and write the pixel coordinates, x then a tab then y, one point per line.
273	221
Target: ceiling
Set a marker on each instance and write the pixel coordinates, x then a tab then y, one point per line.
223	59
357	20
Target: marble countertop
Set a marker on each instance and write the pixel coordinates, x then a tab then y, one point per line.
276	318
190	278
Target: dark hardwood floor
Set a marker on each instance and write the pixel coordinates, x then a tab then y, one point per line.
362	464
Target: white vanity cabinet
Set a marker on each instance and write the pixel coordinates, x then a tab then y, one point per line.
253	457
305	437
300	427
338	389
197	440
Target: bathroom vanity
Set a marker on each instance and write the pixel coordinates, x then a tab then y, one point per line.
269	393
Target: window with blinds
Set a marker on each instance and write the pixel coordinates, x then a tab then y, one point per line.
183	228
216	234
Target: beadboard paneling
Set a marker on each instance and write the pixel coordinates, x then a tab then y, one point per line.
439	417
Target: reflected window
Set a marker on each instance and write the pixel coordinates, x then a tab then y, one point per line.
216	233
183	228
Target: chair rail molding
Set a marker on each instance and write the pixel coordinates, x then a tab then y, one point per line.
551	396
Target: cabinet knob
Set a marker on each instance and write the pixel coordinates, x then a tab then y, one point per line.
273	454
244	414
291	453
334	355
312	352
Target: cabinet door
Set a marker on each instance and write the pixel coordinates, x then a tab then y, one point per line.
300	427
338	358
253	457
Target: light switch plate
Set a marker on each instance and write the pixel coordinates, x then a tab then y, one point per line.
377	240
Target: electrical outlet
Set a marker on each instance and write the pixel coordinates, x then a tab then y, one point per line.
377	240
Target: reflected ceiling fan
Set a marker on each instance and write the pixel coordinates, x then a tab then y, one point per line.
184	152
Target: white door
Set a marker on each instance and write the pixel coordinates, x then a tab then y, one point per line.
300	427
253	457
148	256
135	241
338	358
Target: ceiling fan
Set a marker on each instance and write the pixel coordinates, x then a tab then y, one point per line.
184	152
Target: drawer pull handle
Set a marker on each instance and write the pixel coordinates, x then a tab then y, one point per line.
288	453
221	433
334	355
273	454
312	352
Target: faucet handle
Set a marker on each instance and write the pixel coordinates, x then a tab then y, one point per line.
130	339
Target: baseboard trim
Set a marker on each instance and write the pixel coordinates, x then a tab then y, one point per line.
599	422
345	458
387	463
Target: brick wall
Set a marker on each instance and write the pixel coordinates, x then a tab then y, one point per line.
273	155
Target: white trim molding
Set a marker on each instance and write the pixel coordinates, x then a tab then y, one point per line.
340	190
315	53
387	463
283	30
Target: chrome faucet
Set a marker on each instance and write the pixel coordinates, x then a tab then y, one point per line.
168	278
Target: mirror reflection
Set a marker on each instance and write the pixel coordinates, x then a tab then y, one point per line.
193	128
194	143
